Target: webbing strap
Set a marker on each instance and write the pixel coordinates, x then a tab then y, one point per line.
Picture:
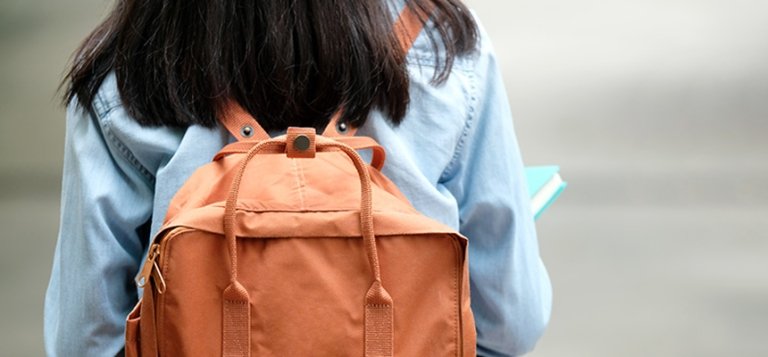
242	126
355	142
236	326
364	143
409	26
379	322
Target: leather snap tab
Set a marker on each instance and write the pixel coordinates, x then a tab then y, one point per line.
301	143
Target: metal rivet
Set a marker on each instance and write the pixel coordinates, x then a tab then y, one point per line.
341	127
301	143
247	131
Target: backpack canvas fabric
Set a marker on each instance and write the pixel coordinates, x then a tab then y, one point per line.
293	246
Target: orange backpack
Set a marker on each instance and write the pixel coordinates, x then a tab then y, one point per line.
293	246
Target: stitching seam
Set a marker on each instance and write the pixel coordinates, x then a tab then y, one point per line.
103	117
299	175
465	131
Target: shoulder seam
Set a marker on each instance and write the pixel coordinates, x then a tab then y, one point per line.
451	167
102	106
103	109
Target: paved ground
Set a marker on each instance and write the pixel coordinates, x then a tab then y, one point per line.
656	111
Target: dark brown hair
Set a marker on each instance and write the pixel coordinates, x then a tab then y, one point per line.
287	62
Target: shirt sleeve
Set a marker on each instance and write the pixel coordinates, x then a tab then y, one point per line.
106	205
510	288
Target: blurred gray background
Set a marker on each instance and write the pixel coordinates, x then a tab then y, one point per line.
655	110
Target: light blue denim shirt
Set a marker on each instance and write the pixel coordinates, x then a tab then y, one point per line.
455	157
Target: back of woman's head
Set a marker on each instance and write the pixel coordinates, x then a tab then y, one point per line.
288	62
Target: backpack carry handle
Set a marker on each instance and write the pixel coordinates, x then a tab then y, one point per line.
379	315
355	142
279	145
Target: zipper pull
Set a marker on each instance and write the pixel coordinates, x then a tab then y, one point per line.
159	280
146	271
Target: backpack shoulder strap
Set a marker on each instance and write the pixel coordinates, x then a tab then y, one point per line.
407	28
409	25
243	126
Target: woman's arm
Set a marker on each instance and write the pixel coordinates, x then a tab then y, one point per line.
106	205
511	291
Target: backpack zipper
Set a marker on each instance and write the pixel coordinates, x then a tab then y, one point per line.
151	270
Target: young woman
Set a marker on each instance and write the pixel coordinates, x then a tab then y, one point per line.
147	86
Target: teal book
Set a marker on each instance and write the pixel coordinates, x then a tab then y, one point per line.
544	186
